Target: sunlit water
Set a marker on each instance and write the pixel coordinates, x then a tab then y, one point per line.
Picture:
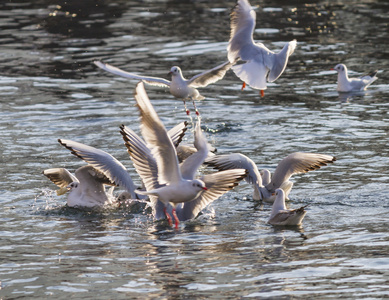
50	89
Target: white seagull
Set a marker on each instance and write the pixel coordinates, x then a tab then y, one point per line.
86	188
346	84
280	215
264	184
108	165
165	180
180	87
260	63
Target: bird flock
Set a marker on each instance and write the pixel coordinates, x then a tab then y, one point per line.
179	181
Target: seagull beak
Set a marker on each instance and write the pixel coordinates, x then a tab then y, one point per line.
170	73
205	189
332	69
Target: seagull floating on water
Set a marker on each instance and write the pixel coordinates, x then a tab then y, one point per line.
346	84
86	188
264	184
280	215
164	178
259	62
180	87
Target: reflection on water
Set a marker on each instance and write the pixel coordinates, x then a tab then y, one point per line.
50	89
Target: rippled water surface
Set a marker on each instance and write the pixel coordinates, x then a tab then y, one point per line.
50	89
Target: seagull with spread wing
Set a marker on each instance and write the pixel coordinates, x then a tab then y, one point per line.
265	185
181	88
86	187
259	62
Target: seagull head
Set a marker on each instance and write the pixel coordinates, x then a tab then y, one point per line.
72	185
199	185
340	68
174	71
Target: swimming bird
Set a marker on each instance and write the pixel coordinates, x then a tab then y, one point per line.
280	215
181	88
264	184
166	181
346	84
260	63
86	188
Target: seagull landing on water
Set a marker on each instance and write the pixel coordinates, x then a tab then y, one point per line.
259	62
180	87
86	187
346	84
280	215
264	184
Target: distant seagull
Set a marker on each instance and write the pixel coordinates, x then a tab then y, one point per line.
280	215
264	184
346	84
86	188
156	162
260	63
180	87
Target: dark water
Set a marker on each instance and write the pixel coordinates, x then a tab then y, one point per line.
50	89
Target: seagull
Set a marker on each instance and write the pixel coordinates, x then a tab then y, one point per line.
108	165
346	84
280	215
146	167
180	87
86	188
259	62
166	181
104	162
264	184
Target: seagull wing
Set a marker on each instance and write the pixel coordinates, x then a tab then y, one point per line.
217	185
236	161
210	76
177	133
145	165
190	166
277	62
60	176
103	162
156	137
149	80
142	158
241	44
295	163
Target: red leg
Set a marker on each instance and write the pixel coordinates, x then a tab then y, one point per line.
176	221
243	85
186	109
195	107
168	217
262	92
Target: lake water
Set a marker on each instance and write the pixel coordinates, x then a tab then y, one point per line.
50	89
